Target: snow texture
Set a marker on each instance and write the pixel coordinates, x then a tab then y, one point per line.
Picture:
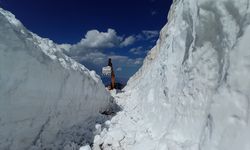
192	92
47	100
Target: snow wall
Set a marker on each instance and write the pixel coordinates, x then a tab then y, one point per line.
193	89
42	91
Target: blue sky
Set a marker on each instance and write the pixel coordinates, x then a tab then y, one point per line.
96	29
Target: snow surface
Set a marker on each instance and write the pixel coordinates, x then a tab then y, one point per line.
192	92
47	100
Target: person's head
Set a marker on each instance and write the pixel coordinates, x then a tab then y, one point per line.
109	60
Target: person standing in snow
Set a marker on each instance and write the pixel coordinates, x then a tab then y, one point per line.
112	74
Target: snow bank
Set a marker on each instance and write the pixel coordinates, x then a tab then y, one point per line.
192	91
199	96
42	92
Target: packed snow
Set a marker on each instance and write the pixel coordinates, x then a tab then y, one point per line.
47	100
192	92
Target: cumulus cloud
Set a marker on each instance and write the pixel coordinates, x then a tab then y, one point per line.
96	58
147	35
96	41
92	51
138	61
65	47
128	41
150	34
137	50
126	61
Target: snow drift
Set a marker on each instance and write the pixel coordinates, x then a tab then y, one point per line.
192	92
42	92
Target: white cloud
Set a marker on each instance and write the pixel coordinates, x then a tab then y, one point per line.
119	57
96	39
137	50
124	66
90	51
149	34
96	58
128	41
140	37
138	61
101	59
65	47
126	61
146	35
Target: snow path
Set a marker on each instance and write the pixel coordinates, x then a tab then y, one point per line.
114	136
